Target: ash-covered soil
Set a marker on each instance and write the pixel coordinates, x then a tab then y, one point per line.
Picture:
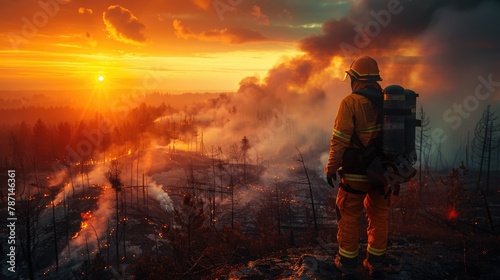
427	253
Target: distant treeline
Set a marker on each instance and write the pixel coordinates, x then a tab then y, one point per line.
47	99
41	136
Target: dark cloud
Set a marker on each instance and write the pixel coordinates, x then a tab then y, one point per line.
295	14
465	41
123	26
378	27
234	35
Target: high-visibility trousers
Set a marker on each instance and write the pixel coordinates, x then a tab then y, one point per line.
349	207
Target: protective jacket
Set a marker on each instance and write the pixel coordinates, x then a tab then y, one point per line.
357	115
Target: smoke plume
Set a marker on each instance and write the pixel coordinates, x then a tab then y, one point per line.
157	192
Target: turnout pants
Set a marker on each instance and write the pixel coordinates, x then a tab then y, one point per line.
349	207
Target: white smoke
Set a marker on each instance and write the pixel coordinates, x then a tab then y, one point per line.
73	186
157	192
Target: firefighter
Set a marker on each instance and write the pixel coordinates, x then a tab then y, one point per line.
358	118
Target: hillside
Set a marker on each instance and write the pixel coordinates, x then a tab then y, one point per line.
420	253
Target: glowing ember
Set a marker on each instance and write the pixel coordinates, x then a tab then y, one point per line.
86	215
452	214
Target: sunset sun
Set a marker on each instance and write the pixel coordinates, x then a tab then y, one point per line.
100	78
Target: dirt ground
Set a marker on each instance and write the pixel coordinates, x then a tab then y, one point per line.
422	251
423	245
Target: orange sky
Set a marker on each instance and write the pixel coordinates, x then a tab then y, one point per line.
211	45
191	45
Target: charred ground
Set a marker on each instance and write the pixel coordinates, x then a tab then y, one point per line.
231	221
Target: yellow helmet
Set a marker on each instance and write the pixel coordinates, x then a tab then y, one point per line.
364	69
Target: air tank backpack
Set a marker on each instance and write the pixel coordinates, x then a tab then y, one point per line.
389	159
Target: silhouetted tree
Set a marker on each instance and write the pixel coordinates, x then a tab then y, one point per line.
245	146
39	147
18	149
422	145
189	219
93	270
309	184
30	210
234	153
114	177
482	145
54	227
212	189
63	139
278	204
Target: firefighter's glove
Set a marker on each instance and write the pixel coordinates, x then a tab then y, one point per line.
330	178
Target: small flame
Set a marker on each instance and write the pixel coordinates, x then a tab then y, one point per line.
83	224
129	152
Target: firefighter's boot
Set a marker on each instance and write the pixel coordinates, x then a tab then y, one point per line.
375	265
347	266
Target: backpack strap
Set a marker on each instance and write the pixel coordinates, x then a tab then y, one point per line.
357	142
376	97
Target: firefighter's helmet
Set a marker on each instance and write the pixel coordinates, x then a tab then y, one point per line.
364	69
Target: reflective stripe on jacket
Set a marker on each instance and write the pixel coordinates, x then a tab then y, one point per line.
357	114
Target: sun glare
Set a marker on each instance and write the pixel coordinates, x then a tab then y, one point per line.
100	78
